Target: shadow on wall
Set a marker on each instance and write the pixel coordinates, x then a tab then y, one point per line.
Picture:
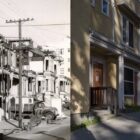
80	48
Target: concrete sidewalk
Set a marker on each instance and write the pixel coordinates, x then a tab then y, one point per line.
119	128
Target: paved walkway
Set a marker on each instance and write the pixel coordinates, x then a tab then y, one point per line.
126	127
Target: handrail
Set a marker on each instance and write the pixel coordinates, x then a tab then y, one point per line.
104	97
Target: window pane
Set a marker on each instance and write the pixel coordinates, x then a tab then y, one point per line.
105	7
130	34
124	29
62	87
128	88
29	84
47	63
46	84
128	74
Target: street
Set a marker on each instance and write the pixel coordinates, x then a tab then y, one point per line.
55	130
125	127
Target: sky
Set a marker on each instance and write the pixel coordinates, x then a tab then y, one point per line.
51	24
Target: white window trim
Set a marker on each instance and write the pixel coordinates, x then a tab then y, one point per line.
108	8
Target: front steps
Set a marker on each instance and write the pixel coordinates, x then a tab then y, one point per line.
103	114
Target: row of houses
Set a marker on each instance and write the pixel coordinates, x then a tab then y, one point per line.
41	79
106	52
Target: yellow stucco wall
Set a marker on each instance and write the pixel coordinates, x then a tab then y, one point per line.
112	73
83	17
100	22
80	55
104	24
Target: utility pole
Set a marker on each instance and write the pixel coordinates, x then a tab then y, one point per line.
20	21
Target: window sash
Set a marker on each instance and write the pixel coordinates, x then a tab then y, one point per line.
127	31
128	88
129	83
105	7
47	87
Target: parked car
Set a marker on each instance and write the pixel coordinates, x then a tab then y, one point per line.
38	108
50	113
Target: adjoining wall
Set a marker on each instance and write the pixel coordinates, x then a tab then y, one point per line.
100	22
112	73
80	55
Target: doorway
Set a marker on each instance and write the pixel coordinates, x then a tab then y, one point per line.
97	95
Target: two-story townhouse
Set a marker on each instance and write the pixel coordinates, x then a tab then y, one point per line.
106	54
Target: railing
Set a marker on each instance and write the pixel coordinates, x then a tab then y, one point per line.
104	97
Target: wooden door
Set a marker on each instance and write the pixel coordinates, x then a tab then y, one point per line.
98	75
97	96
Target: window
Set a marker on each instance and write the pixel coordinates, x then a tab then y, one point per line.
127	32
55	69
47	64
128	82
54	86
105	7
47	87
68	49
29	84
62	86
61	51
30	100
39	86
68	59
93	3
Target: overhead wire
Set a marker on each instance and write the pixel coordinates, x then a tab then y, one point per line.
35	26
